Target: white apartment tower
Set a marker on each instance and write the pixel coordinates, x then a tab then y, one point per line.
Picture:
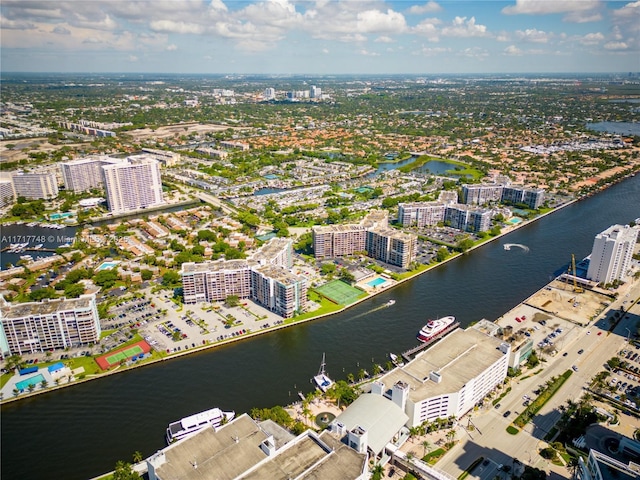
35	185
40	326
269	93
611	254
85	174
133	185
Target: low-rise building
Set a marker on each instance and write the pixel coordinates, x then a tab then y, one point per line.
448	379
245	449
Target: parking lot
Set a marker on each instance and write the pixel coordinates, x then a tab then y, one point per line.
191	326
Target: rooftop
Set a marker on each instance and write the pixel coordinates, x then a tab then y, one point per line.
46	307
461	355
380	417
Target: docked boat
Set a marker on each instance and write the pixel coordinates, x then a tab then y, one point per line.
397	361
322	380
194	423
434	327
390	302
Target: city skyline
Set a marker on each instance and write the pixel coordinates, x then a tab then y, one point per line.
321	37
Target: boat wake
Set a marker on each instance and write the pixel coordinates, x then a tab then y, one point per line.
375	309
507	246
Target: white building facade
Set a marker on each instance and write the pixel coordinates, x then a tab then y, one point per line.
39	326
35	186
612	253
133	185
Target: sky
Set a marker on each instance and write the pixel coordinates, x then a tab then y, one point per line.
320	36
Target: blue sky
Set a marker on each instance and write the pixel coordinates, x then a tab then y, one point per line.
320	36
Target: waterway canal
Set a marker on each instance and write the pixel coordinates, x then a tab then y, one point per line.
80	432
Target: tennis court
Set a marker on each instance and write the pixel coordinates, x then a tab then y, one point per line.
339	292
114	358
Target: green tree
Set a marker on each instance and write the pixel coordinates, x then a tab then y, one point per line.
124	471
146	274
442	254
171	279
328	268
74	290
232	300
346	276
106	278
137	455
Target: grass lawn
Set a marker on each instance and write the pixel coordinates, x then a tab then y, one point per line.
543	398
432	457
326	306
5	378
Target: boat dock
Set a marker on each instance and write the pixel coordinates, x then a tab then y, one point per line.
407	356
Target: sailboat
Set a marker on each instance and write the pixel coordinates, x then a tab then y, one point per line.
321	379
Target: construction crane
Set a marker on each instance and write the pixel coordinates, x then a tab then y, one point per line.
576	288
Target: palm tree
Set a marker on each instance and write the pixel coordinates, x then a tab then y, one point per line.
350	378
426	445
413	432
411	455
15	392
137	457
31	387
44	384
573	466
361	374
451	435
377	471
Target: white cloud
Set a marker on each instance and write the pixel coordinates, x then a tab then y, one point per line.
429	7
513	51
375	21
616	46
474	52
172	48
368	53
591	38
533	35
325	51
428	28
171	26
384	39
461	27
544	7
582	17
133	58
432	51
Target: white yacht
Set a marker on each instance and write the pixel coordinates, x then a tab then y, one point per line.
322	380
194	423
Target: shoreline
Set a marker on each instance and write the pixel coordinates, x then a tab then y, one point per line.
233	340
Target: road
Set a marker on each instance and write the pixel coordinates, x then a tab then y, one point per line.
495	443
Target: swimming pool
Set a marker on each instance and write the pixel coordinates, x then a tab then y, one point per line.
515	220
376	282
107	265
24	384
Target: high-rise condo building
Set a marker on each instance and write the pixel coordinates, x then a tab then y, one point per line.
85	173
612	253
481	194
265	278
468	218
133	184
420	214
39	326
35	185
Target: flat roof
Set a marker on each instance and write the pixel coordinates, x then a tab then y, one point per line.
460	356
213	266
20	310
272	248
233	452
380	417
279	274
223	454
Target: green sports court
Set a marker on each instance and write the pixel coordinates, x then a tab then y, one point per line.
339	292
127	353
